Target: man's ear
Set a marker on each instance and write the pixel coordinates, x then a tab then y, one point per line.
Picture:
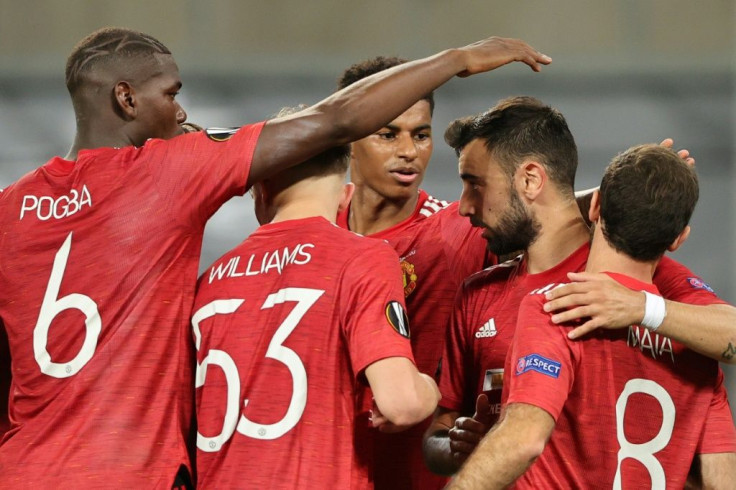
681	238
347	194
595	206
531	178
125	102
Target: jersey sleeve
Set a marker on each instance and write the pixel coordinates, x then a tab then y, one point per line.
456	357
678	283
719	433
196	173
542	361
373	312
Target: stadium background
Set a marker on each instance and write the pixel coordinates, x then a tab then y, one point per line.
624	72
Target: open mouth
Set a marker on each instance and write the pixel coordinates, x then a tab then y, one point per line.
405	176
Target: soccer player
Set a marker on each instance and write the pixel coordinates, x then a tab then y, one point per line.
297	318
99	252
438	249
631	403
517	162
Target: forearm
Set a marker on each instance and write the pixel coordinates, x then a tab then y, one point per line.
350	114
365	106
498	461
403	396
709	330
428	395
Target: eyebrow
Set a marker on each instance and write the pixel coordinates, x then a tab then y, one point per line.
471	177
423	127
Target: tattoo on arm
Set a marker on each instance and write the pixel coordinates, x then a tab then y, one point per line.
730	352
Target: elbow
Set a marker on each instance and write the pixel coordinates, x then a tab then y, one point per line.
529	450
408	410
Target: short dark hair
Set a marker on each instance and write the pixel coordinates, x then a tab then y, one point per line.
107	46
518	128
332	161
648	194
372	66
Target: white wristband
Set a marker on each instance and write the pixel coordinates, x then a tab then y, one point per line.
654	311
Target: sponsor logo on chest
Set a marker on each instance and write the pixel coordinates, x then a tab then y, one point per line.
487	330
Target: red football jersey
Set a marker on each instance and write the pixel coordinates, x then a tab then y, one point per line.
97	275
677	283
438	248
483	326
291	318
630	405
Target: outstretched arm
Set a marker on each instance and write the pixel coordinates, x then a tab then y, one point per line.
367	105
508	450
604	303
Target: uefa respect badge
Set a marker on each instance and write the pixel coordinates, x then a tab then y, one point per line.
540	364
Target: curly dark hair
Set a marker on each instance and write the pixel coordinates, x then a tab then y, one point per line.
372	66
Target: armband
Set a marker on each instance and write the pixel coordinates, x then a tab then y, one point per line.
654	311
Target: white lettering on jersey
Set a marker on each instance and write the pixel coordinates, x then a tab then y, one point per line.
655	344
275	260
46	207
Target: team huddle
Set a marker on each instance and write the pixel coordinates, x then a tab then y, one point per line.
366	335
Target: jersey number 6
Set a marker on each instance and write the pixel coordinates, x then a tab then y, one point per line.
53	305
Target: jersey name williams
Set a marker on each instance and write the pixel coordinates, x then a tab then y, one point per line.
275	260
46	207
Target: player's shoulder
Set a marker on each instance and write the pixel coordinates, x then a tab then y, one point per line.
355	243
671	273
429	205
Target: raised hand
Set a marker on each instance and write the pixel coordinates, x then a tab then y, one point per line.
493	52
684	154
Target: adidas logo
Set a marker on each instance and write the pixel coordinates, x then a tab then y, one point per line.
487	330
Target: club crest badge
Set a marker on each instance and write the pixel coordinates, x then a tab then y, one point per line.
409	276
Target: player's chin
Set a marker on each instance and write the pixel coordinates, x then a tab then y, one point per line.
402	192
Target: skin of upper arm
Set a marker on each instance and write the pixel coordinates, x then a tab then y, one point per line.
718	470
392	381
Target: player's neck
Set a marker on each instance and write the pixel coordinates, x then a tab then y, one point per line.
563	231
604	258
87	139
371	213
305	208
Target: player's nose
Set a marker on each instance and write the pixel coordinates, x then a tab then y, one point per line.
407	147
181	115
